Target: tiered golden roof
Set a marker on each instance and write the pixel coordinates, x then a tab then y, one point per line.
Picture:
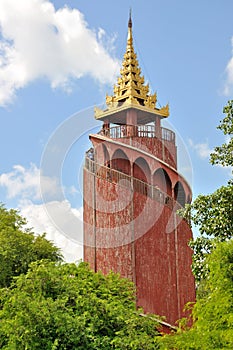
130	90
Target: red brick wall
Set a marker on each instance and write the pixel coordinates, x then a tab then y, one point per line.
139	238
164	150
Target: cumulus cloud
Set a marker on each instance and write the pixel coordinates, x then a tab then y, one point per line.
38	41
38	218
26	183
228	88
61	222
202	149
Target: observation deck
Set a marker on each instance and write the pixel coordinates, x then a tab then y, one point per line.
151	138
142	131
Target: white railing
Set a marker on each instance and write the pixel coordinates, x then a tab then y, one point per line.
125	131
168	135
130	182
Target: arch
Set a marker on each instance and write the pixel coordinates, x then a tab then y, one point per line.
106	155
141	170
162	180
189	199
179	193
120	162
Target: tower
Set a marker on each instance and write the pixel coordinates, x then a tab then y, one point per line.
132	191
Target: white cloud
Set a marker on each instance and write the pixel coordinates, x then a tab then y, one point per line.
62	223
202	149
38	41
228	88
25	183
38	218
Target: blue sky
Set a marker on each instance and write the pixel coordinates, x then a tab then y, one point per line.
58	59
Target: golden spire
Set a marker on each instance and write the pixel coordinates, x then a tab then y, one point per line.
130	36
130	89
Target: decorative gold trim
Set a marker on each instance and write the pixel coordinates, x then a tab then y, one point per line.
130	88
165	110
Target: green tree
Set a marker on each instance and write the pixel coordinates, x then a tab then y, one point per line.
65	306
213	311
213	213
213	260
224	154
20	246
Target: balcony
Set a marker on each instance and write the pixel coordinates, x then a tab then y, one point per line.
142	131
130	182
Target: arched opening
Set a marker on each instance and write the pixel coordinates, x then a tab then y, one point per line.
106	156
141	170
162	181
120	162
189	199
179	193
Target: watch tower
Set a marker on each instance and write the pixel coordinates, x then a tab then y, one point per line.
132	191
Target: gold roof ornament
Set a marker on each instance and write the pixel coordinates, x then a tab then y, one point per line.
130	90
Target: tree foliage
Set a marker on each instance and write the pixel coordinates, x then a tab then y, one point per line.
213	311
20	246
213	213
213	260
224	154
65	306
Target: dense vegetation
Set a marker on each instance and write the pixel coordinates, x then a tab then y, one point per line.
213	213
20	246
65	306
47	304
212	260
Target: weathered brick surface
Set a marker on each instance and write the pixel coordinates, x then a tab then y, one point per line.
127	232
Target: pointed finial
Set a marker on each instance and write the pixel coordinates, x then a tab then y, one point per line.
130	18
130	90
130	37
